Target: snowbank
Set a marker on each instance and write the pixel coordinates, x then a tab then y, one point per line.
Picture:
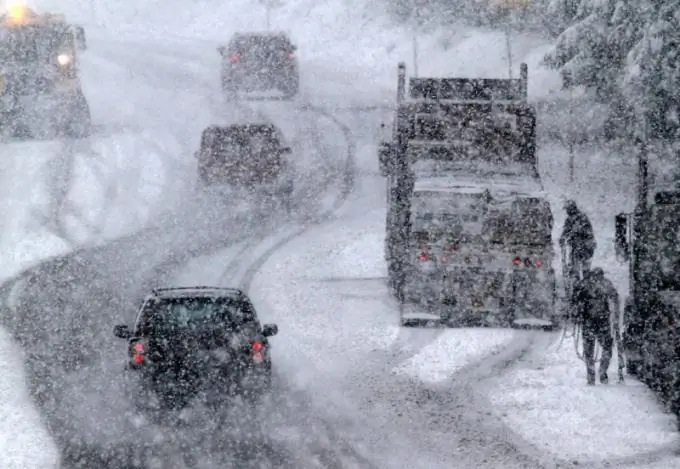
546	400
28	444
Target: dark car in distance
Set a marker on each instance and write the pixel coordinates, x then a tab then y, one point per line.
192	342
259	62
250	156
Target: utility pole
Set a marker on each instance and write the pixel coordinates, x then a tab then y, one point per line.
511	6
415	55
269	5
508	46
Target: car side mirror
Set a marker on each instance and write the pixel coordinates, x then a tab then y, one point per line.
122	331
221	50
622	237
385	158
269	330
81	43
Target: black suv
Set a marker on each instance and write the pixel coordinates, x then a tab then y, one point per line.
250	156
197	342
259	62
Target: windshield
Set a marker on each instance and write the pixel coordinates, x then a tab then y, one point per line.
196	313
32	44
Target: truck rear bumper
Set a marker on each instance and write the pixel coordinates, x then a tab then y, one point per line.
512	300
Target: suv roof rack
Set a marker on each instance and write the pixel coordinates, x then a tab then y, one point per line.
157	291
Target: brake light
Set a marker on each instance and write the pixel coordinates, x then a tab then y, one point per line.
234	58
518	261
424	257
137	351
256	349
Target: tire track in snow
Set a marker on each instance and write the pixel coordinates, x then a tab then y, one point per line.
334	453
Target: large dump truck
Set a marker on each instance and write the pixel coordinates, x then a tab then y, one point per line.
468	224
648	240
40	89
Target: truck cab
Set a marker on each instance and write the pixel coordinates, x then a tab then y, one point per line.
39	74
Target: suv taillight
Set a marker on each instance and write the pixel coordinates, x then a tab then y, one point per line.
137	353
256	349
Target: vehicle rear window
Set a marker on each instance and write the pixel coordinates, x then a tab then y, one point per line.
196	313
233	143
260	44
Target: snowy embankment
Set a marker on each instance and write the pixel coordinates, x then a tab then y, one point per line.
57	195
546	399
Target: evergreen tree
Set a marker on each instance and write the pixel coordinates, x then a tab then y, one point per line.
652	79
560	14
626	50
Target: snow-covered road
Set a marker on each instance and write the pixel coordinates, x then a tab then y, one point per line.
355	389
80	393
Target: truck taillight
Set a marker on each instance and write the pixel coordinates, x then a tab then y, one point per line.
527	262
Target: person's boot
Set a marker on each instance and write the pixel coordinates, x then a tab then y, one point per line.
591	377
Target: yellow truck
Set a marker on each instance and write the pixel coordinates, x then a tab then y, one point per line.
40	88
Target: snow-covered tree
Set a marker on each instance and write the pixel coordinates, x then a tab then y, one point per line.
626	51
652	77
560	14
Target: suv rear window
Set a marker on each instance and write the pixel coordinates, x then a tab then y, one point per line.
161	315
236	140
262	44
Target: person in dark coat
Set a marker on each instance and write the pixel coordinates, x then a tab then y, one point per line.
595	303
578	238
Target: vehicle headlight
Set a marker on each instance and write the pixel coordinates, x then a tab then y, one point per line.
64	59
